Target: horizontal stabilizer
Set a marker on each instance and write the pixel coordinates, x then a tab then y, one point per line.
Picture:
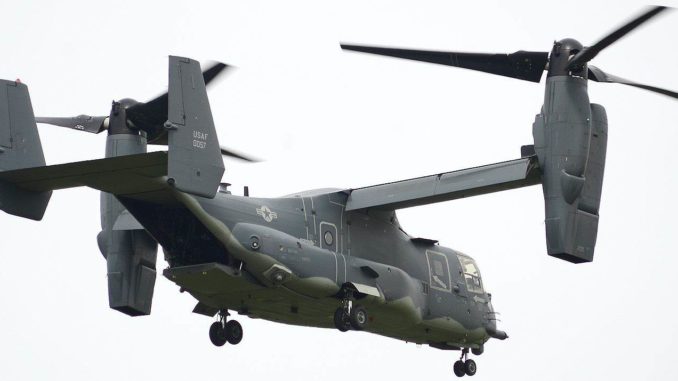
122	175
447	186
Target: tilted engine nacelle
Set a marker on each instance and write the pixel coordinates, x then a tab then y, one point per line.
129	250
130	262
570	137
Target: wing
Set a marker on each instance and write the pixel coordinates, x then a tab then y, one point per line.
447	186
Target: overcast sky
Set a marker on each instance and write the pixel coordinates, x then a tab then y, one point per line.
322	117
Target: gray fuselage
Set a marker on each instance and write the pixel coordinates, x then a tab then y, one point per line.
414	289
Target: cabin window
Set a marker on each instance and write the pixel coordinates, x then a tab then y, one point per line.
329	239
471	274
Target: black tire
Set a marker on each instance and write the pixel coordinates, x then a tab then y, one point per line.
459	370
217	334
358	318
470	367
233	332
341	321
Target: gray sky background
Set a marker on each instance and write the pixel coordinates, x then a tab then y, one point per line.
322	117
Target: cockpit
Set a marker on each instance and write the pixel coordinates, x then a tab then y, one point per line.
471	274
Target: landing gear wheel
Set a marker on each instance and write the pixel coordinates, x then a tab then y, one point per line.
217	334
233	332
341	320
470	367
459	370
358	318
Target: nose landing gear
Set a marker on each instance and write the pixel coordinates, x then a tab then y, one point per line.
222	331
464	366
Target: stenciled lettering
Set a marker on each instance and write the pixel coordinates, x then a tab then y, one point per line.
199	139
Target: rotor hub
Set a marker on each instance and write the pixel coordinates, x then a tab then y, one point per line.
559	59
128	102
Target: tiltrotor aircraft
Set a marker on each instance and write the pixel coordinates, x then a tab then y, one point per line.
325	258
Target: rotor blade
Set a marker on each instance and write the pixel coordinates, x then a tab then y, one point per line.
523	65
93	124
598	75
151	115
160	103
237	155
213	71
588	53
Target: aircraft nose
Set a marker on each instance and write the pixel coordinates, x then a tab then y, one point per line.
496	333
491	321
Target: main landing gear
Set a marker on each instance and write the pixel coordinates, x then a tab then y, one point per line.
222	331
350	316
464	366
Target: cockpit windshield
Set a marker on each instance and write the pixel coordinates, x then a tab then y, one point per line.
471	274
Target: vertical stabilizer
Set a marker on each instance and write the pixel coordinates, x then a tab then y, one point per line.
19	148
195	164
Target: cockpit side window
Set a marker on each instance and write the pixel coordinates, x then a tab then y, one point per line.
471	274
439	271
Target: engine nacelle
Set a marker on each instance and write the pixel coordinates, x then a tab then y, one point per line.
129	250
570	137
130	262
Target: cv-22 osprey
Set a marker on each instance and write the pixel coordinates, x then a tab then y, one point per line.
326	258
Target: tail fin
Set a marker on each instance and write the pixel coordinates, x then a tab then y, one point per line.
195	164
19	148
